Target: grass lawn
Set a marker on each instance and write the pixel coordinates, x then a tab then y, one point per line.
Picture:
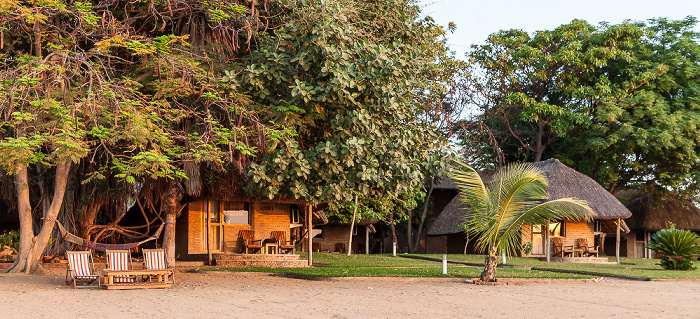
630	267
385	265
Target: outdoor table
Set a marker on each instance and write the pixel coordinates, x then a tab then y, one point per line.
161	276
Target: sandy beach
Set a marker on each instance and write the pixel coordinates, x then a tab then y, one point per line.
254	295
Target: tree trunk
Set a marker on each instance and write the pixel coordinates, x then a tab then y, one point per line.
32	247
422	219
489	273
539	147
352	226
171	208
394	241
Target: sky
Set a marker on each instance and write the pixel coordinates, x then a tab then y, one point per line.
476	19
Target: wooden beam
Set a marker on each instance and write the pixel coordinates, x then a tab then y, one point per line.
617	243
310	234
208	231
546	241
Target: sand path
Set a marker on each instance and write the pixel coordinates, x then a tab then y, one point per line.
251	295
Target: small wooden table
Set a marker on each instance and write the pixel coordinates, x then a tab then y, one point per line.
161	275
270	248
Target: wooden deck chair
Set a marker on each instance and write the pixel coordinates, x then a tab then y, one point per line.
586	250
282	243
120	260
248	243
154	259
558	248
81	268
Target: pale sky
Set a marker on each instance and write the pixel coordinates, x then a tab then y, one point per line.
477	19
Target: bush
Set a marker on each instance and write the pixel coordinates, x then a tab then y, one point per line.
678	247
10	239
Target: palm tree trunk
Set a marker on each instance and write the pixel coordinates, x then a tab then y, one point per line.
489	273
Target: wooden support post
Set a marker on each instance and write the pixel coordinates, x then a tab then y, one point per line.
310	234
617	244
546	241
208	235
367	240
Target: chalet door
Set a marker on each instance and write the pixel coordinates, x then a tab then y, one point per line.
216	230
538	240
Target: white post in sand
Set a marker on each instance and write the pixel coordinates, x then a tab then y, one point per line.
444	264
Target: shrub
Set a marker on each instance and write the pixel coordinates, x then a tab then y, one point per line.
678	247
10	239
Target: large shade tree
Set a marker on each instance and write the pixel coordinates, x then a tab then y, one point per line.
346	75
119	94
515	196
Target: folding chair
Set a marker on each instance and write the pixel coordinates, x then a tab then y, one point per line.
81	268
154	259
120	260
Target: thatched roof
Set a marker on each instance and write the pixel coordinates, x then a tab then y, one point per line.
563	182
652	213
566	182
450	219
446	183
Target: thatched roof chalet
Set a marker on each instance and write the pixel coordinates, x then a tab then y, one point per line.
563	182
652	213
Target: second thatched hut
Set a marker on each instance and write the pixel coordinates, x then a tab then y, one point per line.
563	182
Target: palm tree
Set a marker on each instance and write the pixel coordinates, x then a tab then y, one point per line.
515	196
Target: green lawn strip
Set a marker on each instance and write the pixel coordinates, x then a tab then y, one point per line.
385	265
633	268
434	272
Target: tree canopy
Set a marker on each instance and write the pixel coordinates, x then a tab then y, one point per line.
617	102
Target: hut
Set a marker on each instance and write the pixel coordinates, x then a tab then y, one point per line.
215	224
563	182
334	237
651	213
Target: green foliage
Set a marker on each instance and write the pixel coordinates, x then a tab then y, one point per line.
10	238
515	196
345	76
678	247
618	102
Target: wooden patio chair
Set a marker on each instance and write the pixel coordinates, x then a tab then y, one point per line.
558	248
282	243
81	269
154	259
340	247
585	249
248	243
120	260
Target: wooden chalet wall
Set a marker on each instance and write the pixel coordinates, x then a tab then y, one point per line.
573	231
263	218
338	233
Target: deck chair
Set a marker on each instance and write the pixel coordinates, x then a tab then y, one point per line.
81	268
586	250
120	260
154	259
558	248
282	243
248	243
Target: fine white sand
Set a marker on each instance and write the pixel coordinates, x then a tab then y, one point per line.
252	295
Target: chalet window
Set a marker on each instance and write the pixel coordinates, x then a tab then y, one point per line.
597	226
639	235
294	216
214	211
557	229
354	230
236	216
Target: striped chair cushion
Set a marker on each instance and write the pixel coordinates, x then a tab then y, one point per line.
80	265
120	261
155	259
